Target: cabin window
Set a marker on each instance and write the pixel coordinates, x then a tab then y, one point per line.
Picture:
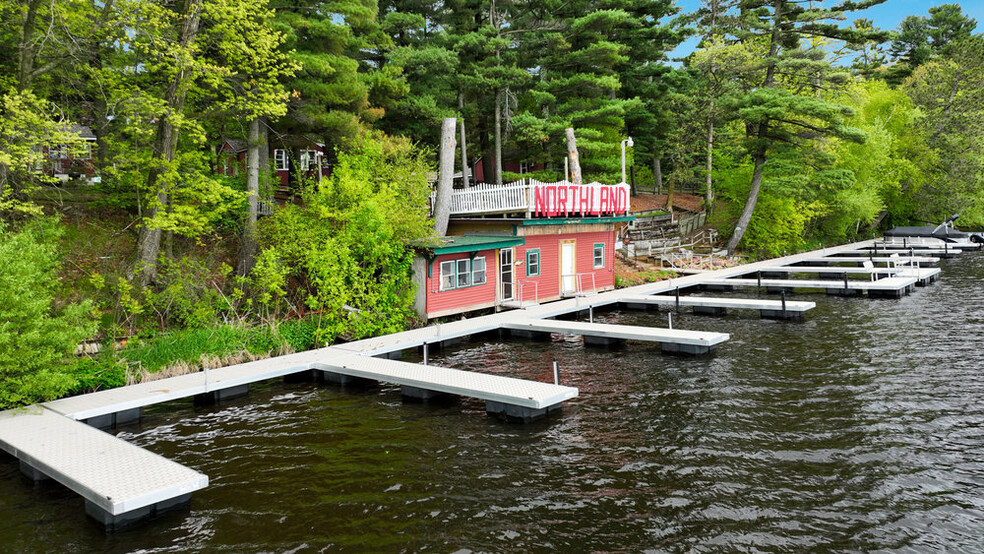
85	152
464	272
478	271
308	159
533	262
447	275
599	255
526	167
461	273
280	159
58	152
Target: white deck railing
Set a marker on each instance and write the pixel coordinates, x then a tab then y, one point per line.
520	197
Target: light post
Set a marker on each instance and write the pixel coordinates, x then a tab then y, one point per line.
628	142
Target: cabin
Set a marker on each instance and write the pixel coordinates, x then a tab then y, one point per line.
66	163
301	156
511	162
521	244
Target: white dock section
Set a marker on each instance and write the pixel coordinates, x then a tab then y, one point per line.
50	442
891	286
123	399
770	308
887	260
671	340
498	391
948	252
116	478
825	270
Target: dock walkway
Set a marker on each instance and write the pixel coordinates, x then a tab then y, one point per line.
121	482
719	306
891	287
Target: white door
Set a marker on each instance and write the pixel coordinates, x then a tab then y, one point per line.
568	268
506	274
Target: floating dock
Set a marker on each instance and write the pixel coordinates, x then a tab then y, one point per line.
892	287
671	340
887	260
122	483
775	309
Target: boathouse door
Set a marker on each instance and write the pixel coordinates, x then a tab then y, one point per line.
506	274
568	268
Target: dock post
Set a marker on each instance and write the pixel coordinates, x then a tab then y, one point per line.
905	242
759	273
845	282
946	248
556	369
678	299
669	317
425	353
782	294
591	314
911	255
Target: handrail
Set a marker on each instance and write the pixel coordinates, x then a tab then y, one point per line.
536	290
578	282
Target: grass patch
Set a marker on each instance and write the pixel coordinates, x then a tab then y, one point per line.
187	347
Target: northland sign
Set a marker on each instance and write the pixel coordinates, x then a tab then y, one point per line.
565	199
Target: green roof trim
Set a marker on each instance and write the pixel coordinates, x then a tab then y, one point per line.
471	243
575	221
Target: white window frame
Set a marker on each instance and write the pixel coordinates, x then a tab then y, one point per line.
85	152
463	278
280	159
309	159
526	167
594	255
478	275
529	254
447	265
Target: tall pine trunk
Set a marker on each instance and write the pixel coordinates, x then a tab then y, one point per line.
709	192
657	174
165	145
753	192
445	178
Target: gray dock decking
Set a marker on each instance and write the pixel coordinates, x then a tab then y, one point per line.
51	440
705	304
120	482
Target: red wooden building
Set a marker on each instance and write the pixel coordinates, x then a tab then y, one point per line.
302	156
521	244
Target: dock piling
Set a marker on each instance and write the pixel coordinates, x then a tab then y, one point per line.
425	353
669	317
678	299
556	370
591	314
782	295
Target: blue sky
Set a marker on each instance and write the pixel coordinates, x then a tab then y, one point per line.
886	16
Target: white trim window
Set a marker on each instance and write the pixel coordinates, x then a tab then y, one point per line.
478	271
447	275
526	167
279	159
309	159
462	273
599	255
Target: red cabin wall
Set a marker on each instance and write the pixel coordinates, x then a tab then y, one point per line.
463	299
549	245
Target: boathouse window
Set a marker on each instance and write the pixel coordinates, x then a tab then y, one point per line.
599	255
533	262
280	159
478	271
464	273
461	273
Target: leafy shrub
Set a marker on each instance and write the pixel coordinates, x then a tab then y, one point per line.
97	373
37	339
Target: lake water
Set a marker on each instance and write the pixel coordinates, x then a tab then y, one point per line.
858	429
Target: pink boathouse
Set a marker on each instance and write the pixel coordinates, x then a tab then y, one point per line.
520	244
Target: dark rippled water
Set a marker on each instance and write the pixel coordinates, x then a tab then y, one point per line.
859	429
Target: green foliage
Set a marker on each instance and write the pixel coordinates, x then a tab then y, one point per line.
37	337
97	373
187	346
346	246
